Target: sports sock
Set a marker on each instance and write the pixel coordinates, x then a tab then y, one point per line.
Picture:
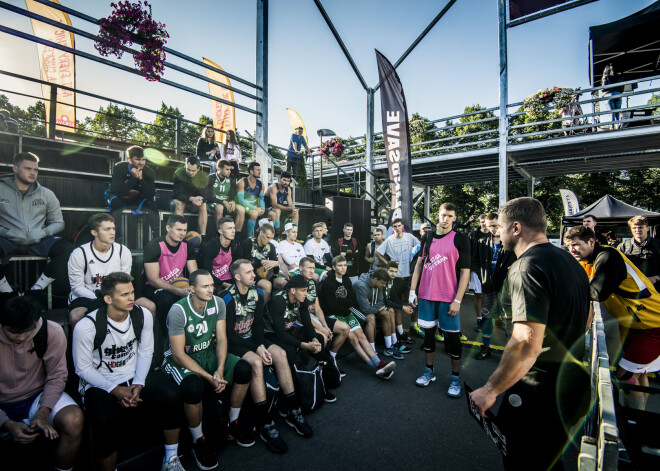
388	341
334	354
276	224
263	417
5	287
454	373
373	346
196	432
42	282
62	469
250	227
430	367
399	329
170	451
394	339
486	341
290	401
374	361
234	412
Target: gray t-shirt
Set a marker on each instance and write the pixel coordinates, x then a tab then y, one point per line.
176	318
399	250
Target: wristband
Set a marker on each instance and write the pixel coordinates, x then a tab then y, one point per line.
457	301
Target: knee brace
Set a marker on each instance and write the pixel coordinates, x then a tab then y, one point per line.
429	340
454	345
242	372
192	389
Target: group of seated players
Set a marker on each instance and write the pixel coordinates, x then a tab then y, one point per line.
166	343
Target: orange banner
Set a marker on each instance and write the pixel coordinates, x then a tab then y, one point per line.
223	115
57	67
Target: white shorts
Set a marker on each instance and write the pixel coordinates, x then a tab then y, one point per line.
475	283
64	401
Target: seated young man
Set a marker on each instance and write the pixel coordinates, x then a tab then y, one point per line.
318	249
289	324
245	335
338	301
290	252
113	371
221	194
217	254
165	259
396	297
370	291
348	247
279	201
261	252
32	377
198	362
250	194
90	262
189	192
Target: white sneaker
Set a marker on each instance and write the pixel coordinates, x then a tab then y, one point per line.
172	465
454	387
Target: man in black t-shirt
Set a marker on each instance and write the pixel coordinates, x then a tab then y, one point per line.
348	247
475	275
545	390
261	252
217	254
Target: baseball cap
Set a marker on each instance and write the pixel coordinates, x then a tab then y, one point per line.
297	281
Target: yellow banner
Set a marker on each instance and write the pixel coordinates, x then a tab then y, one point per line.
296	122
223	115
57	67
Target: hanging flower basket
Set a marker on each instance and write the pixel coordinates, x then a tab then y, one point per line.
132	23
535	105
333	147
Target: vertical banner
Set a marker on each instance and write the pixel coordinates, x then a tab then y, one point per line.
571	205
397	140
57	67
223	115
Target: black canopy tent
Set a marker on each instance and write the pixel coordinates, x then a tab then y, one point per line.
631	45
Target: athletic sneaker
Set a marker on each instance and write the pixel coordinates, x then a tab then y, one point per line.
405	338
271	437
204	457
388	375
172	465
383	368
390	352
296	421
479	325
342	373
439	337
463	338
240	435
454	387
483	353
427	378
417	330
329	397
401	348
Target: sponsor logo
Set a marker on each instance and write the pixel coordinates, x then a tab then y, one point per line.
191	328
38	202
210	311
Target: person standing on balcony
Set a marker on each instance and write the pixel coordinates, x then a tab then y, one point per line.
296	144
231	152
614	101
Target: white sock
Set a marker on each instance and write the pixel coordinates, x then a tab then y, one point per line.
42	282
393	337
399	329
334	354
234	412
196	432
170	451
62	469
5	287
388	341
373	346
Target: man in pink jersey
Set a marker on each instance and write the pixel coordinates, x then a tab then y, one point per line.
443	273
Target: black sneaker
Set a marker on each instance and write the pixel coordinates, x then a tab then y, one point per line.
329	397
240	435
401	348
204	457
342	373
405	338
296	421
483	353
271	437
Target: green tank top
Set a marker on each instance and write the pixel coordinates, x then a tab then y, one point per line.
200	328
221	189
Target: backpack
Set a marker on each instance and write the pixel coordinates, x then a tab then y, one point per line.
330	373
101	325
309	382
40	340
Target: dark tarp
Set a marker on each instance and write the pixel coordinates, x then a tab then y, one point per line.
611	211
631	45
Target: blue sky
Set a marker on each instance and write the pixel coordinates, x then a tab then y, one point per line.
456	65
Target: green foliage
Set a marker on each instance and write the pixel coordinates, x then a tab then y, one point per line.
31	121
113	122
655	99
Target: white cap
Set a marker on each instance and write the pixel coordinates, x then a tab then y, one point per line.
263	221
288	226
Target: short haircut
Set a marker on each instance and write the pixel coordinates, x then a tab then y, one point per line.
394	221
317	225
337	259
378	229
111	280
305	260
223	221
97	219
20	314
638	221
224	163
391	264
380	274
236	265
590	216
582	233
174	218
192	279
348	224
491	216
252	165
193	160
527	211
447	207
21	156
483	216
285	174
135	151
267	227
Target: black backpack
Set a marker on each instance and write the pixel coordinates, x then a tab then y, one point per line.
309	382
101	326
40	340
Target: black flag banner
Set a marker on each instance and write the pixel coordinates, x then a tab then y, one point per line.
396	136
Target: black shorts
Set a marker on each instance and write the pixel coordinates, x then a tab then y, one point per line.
88	303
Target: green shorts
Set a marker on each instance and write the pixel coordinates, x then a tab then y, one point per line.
207	360
211	209
351	320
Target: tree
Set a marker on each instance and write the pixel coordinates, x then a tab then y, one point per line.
112	122
31	121
484	123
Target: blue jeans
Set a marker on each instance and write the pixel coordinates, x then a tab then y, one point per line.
615	104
